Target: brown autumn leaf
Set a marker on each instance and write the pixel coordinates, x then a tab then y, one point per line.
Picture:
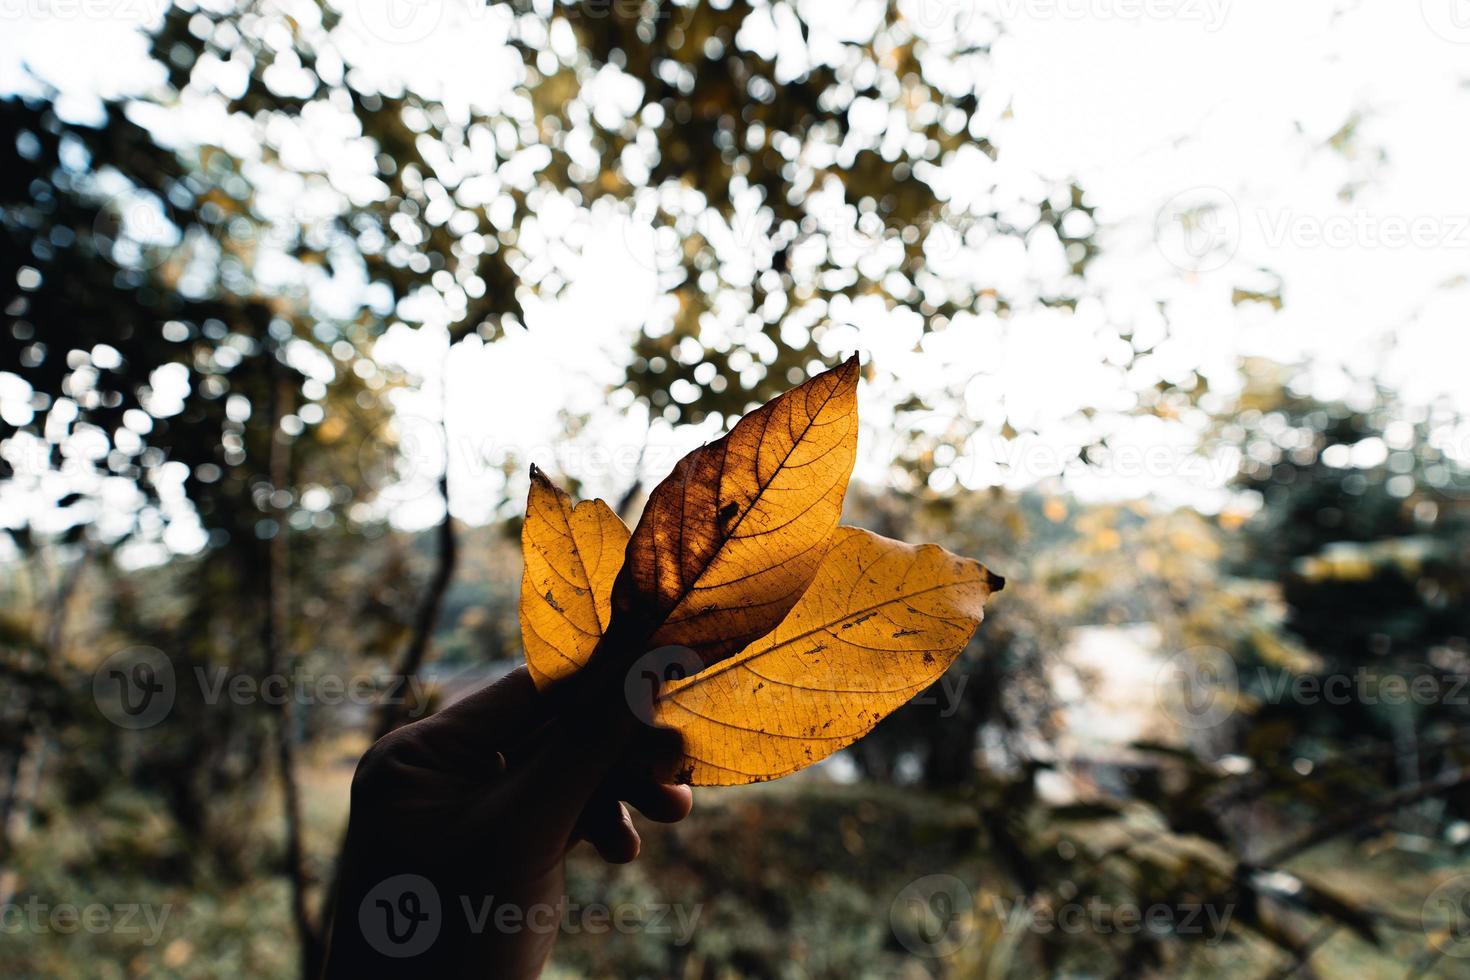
859	625
730	540
572	554
881	621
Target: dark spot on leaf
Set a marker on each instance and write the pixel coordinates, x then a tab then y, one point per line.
907	633
861	619
729	511
551	601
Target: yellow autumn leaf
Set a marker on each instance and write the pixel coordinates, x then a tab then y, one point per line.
572	554
730	540
881	621
826	630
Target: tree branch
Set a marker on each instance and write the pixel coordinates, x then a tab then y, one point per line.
275	639
1361	817
393	708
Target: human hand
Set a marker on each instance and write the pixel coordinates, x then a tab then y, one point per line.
475	808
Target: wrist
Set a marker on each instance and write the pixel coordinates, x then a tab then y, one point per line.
396	919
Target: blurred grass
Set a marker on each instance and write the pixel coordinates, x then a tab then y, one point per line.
789	880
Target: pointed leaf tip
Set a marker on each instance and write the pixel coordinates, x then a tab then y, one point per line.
881	621
732	537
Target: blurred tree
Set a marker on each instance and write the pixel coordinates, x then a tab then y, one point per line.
200	273
782	169
1363	520
157	360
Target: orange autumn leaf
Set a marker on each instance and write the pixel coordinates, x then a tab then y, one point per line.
786	637
730	540
572	554
881	621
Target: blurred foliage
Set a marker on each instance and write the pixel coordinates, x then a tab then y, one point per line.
805	872
785	183
194	314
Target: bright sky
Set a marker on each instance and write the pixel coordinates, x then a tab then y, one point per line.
1157	107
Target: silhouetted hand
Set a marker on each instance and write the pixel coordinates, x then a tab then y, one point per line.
461	822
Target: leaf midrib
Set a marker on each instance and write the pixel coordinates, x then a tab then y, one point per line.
729	663
727	536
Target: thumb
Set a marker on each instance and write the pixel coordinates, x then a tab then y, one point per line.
553	777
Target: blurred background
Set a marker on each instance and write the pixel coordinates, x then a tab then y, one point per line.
1162	312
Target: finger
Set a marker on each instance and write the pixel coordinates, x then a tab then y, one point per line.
606	826
655	754
659	802
557	776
